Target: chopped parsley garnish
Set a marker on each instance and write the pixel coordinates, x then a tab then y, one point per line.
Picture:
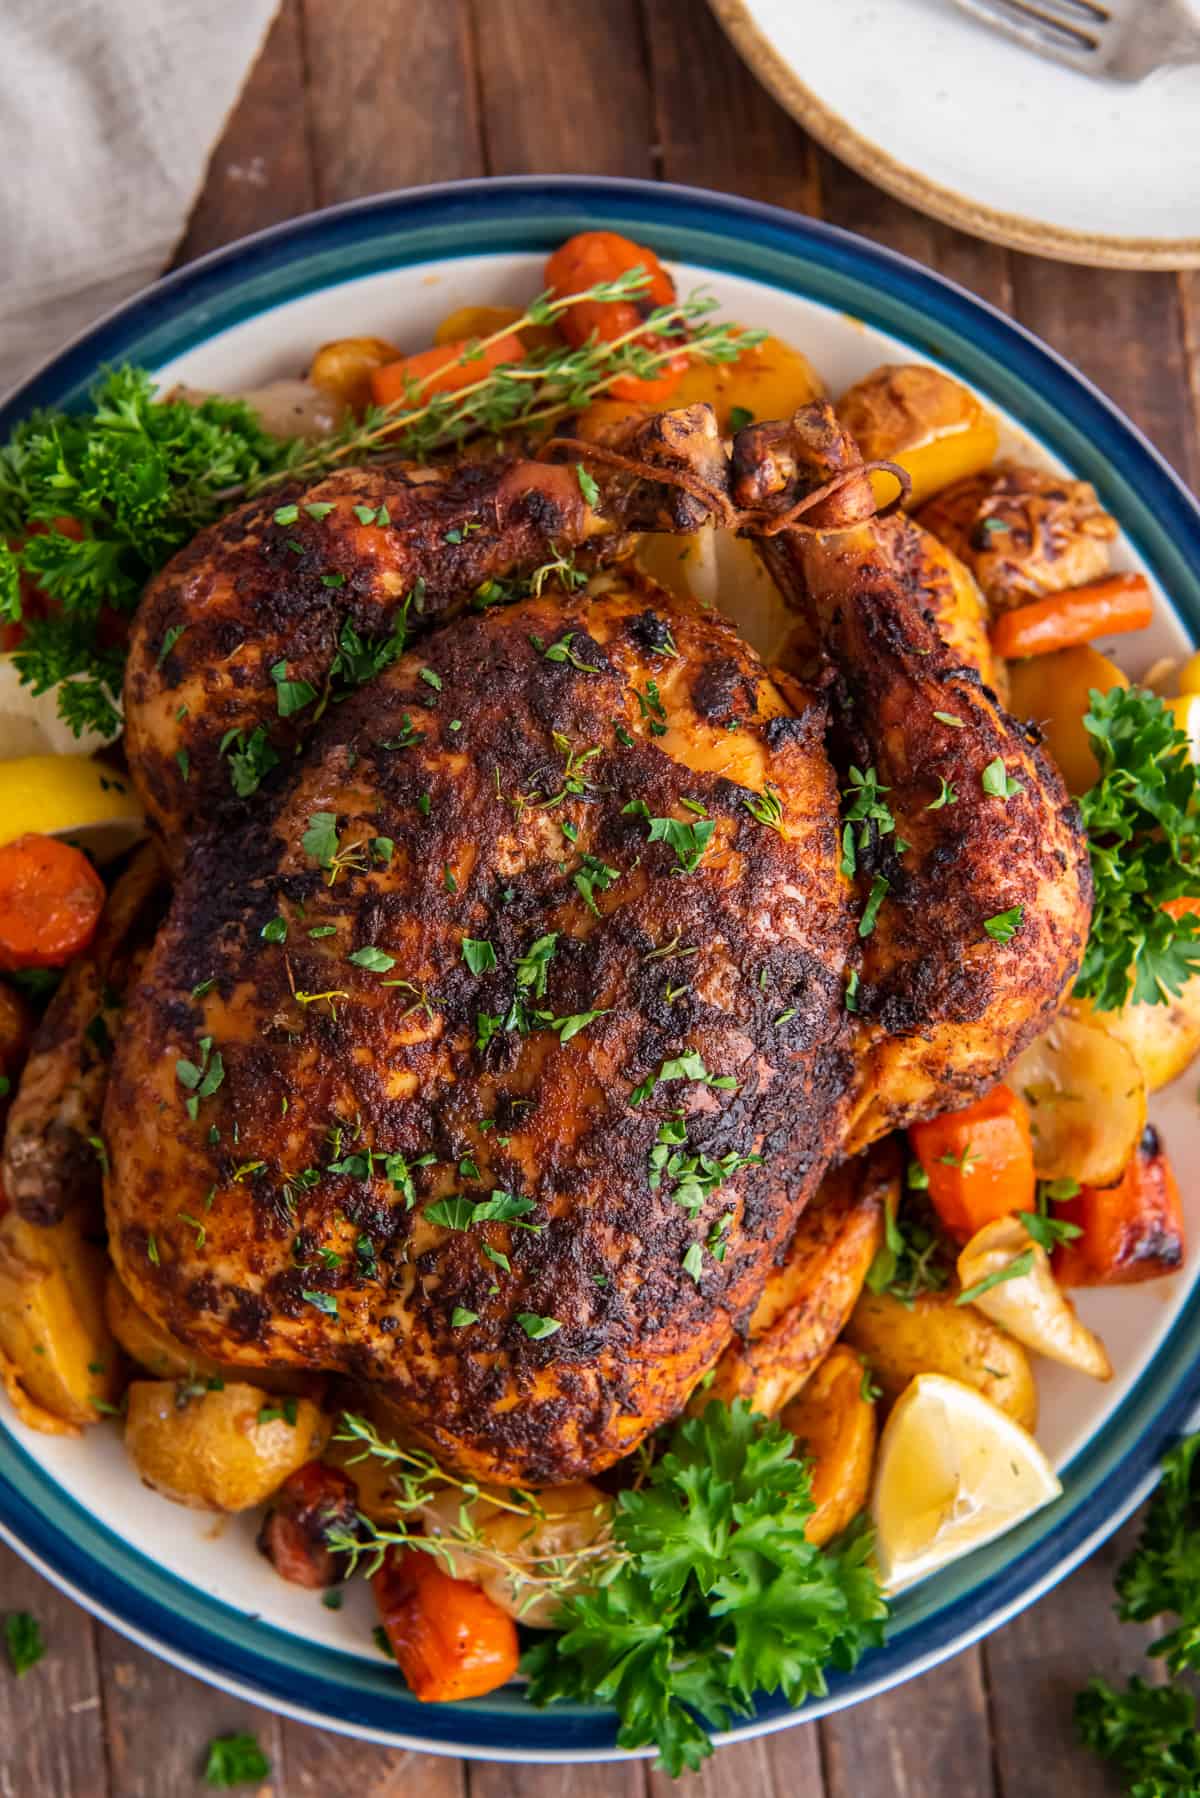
538	1328
879	892
460	1317
946	796
587	485
1004	926
688	840
291	695
432	678
740	417
864	808
321	1301
234	1761
250	759
201	1079
683	1067
594	875
562	652
23	1641
478	954
532	966
914	1256
950	718
693	1261
766	807
376	961
275	931
692	1178
1016	1269
652	709
997	781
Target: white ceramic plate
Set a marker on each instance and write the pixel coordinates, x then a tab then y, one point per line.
960	122
194	1588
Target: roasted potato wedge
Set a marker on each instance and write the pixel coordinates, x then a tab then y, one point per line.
1023	532
1032	1306
1164	1039
1052	691
930	424
209	1449
834	1424
808	1299
1086	1098
770	380
53	1333
343	368
511	1546
939	1336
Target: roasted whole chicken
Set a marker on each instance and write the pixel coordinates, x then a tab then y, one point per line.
518	988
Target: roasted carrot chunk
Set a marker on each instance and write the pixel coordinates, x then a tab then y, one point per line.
50	902
979	1161
294	1534
595	256
450	1640
1130	1231
1106	608
446	368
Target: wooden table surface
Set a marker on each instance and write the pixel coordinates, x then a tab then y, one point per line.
347	101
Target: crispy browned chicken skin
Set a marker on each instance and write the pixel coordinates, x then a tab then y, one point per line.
481	829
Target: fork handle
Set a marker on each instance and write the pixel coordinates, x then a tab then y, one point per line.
1168	35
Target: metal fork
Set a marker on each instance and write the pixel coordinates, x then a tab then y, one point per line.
1124	40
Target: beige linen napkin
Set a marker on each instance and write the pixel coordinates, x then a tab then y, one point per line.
109	110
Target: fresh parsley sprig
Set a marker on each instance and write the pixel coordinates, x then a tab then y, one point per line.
1142	819
720	1595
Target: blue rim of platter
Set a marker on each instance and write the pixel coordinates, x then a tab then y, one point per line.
1108	1476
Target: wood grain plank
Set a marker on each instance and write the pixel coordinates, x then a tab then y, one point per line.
1126	331
51	1719
159	1724
510	1779
927	1739
591	110
392	95
1189	309
315	1763
716	126
260	171
787	1765
1037	1663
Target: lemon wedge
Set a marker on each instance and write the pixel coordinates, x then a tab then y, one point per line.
69	796
954	1472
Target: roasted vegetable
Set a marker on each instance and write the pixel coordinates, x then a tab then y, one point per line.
1086	1099
294	1534
1105	608
450	1639
833	1421
58	1354
1008	1277
594	257
221	1448
1129	1231
934	1334
769	380
807	1300
978	1162
930	424
446	368
1022	532
512	1554
1052	692
1164	1037
344	368
50	902
52	1139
